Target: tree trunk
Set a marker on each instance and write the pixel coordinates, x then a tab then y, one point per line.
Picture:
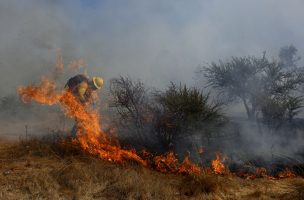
250	112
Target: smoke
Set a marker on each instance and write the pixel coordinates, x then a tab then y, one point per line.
158	41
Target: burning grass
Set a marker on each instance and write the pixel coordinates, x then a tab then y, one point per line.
95	166
44	170
90	136
92	139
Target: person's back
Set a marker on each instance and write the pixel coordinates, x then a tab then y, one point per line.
79	86
73	82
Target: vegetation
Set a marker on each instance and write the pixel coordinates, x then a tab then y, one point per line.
267	88
288	56
40	170
175	112
129	99
263	86
182	110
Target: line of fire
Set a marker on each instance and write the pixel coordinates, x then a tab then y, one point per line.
180	113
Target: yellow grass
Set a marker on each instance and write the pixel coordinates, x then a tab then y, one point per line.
38	170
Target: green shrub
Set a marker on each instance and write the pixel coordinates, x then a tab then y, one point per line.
182	110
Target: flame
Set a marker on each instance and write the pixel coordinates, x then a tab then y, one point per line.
92	138
287	173
89	134
200	150
59	61
169	163
166	163
95	141
188	167
261	172
44	93
218	166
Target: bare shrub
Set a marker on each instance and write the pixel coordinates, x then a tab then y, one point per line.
130	100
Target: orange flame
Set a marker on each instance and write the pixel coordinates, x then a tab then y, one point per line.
287	173
188	167
91	137
95	141
218	164
44	93
169	163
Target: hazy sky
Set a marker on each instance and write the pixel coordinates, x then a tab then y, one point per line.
157	41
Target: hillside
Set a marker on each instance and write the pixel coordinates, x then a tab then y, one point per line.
40	170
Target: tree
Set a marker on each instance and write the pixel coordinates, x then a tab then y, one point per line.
238	78
129	98
252	80
275	111
279	101
162	116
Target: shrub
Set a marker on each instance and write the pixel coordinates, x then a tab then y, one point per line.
184	109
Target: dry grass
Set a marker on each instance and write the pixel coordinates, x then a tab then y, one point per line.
38	170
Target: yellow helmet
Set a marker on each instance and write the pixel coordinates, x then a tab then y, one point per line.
98	82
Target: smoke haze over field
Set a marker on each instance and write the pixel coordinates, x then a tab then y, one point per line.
157	41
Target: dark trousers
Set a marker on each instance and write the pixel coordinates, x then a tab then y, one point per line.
74	131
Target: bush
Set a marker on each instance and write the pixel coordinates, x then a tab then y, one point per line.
129	99
182	110
132	109
276	111
155	120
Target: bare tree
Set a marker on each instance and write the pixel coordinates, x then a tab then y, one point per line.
130	101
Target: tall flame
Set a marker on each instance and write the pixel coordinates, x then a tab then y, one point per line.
90	135
92	138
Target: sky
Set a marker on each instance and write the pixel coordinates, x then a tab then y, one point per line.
155	41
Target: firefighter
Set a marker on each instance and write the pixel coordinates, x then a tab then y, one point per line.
82	88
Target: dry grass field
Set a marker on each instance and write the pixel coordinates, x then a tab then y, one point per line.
40	170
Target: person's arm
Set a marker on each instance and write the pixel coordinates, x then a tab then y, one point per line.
82	88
